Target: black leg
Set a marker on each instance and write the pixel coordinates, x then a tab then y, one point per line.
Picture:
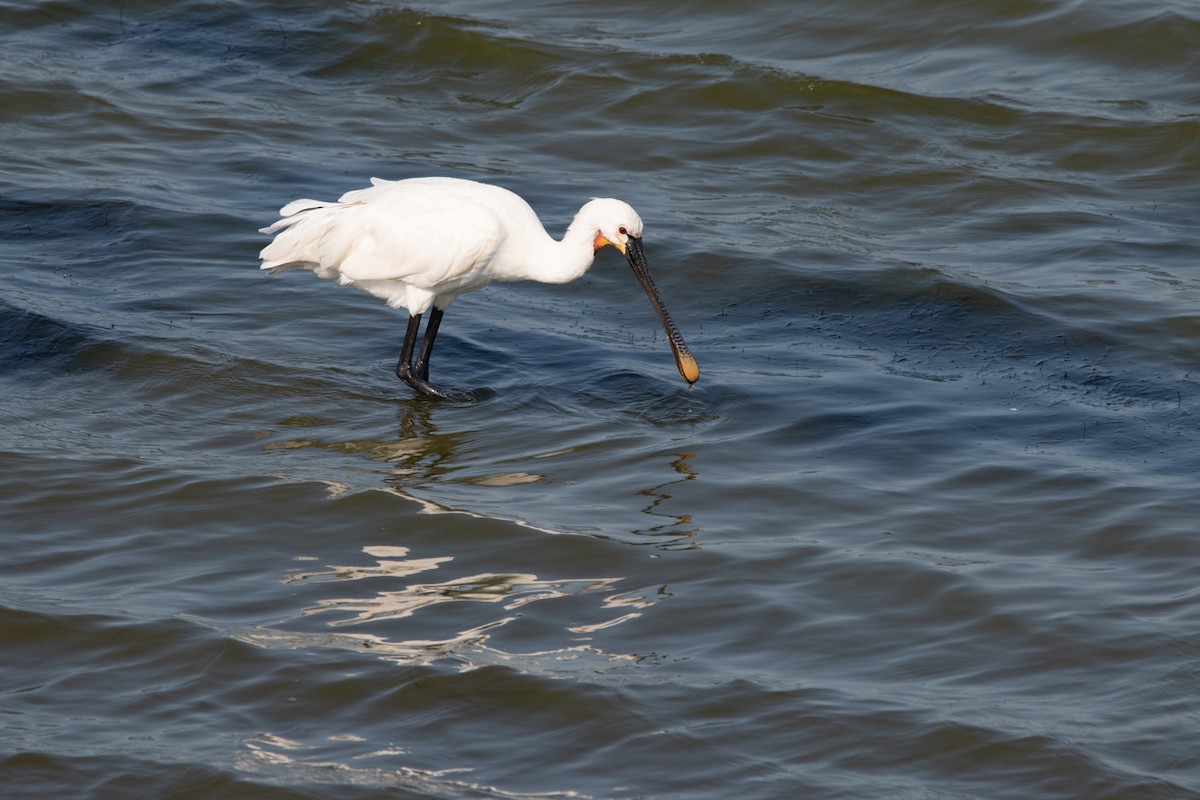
405	370
404	365
431	329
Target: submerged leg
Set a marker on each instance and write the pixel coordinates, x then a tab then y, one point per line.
405	369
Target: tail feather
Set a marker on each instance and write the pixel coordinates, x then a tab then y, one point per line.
296	206
293	246
288	212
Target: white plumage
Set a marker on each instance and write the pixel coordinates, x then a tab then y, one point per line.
418	244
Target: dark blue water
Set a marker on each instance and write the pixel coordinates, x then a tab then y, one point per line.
925	528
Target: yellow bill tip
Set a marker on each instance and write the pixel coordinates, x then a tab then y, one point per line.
689	370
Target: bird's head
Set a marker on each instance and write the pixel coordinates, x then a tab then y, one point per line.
615	223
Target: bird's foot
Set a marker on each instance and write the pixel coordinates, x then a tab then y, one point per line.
421	384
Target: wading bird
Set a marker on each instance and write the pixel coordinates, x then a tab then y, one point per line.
419	243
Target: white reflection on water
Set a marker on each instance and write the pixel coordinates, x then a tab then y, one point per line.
288	761
511	590
471	647
385	567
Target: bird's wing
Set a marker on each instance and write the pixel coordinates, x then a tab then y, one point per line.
424	235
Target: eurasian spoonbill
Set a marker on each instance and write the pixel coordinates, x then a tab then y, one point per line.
420	243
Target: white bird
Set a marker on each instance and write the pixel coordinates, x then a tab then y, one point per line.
420	243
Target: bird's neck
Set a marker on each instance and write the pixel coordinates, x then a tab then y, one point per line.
564	261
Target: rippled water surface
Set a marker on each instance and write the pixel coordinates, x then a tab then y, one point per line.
925	528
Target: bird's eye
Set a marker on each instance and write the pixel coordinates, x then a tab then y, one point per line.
622	231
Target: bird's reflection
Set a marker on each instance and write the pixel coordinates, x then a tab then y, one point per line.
418	451
400	612
428	466
676	531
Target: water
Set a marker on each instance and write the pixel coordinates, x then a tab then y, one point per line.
925	528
